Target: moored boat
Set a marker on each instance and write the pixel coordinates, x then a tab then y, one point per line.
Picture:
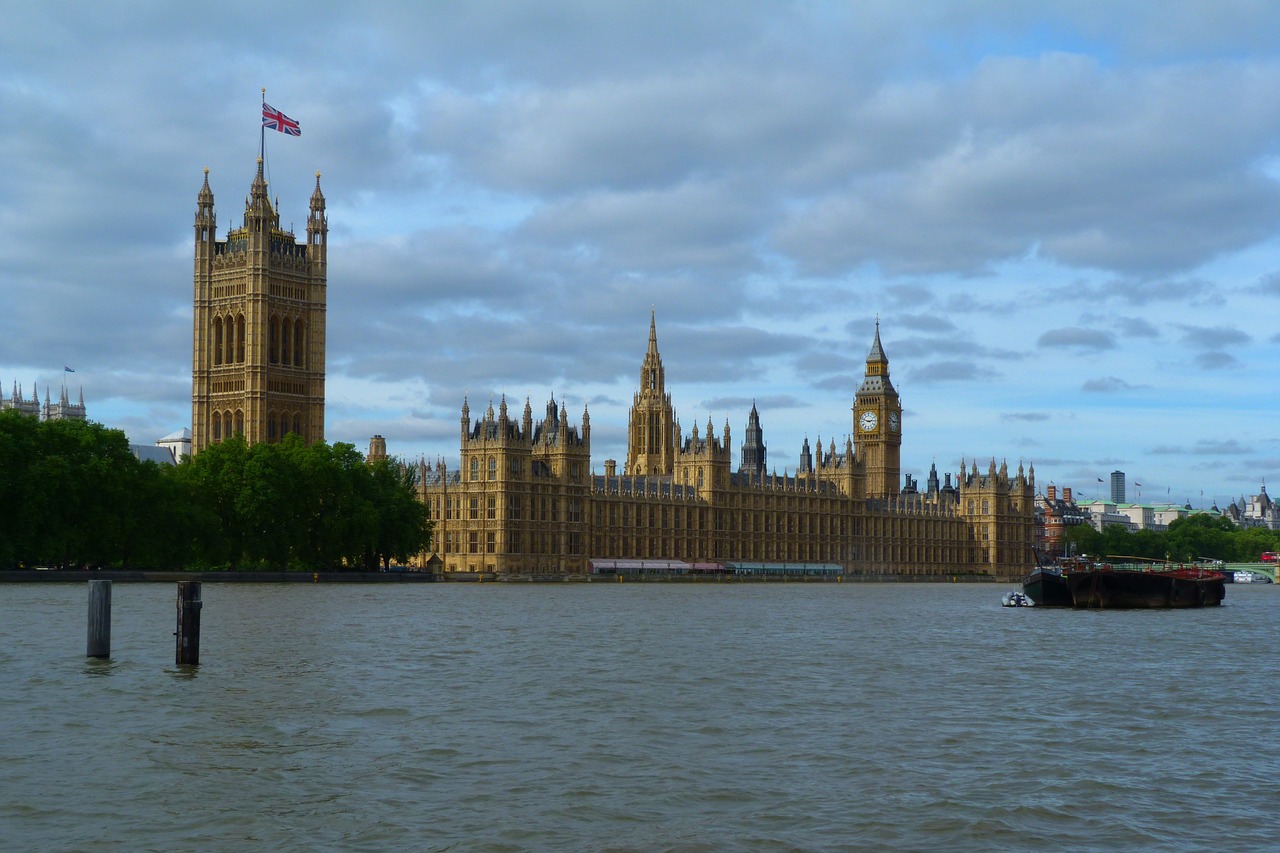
1106	587
1047	587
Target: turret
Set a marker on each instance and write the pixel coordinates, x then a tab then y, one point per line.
317	227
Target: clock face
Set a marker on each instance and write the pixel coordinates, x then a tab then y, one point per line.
868	421
893	421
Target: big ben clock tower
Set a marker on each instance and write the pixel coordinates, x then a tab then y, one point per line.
877	424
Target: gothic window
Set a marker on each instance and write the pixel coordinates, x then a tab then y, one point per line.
284	425
299	344
493	468
515	467
216	343
986	506
297	423
217	426
271	426
239	422
492	508
273	340
286	351
475	467
240	338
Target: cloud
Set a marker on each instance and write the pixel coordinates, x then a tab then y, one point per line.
1030	417
1077	338
1107	385
950	371
1212	337
1205	447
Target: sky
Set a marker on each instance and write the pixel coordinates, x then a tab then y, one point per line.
1065	215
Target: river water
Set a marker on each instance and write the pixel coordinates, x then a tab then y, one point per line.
637	717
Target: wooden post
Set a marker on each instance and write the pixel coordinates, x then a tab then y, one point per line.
99	645
189	605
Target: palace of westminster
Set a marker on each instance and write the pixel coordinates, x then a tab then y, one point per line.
526	499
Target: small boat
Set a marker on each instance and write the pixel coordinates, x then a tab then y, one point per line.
1249	577
1016	599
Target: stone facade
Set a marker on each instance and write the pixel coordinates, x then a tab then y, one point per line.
527	502
259	330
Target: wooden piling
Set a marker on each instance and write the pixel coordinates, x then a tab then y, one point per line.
188	634
99	644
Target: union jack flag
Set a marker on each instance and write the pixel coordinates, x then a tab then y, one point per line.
276	120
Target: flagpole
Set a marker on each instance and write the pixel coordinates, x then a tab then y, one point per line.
262	128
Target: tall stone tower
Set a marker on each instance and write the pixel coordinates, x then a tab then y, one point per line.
652	429
754	452
258	343
877	423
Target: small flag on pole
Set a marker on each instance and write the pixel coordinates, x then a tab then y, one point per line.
66	369
275	120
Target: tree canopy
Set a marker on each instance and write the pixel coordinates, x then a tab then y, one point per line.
73	495
1187	539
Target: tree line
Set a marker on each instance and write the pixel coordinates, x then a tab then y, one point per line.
72	495
1187	539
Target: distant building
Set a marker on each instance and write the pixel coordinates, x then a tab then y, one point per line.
20	403
62	410
177	443
1256	511
1060	512
153	453
1117	487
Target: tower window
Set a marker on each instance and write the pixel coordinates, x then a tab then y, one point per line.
240	338
493	468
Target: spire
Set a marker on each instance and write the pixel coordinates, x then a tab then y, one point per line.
877	352
205	197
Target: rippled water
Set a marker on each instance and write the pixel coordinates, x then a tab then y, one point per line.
637	717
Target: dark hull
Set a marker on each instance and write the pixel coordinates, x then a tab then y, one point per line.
1048	588
1104	588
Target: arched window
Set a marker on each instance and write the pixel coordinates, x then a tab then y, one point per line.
475	467
273	340
297	423
286	349
240	339
299	344
216	343
216	423
986	506
493	468
271	426
239	422
284	425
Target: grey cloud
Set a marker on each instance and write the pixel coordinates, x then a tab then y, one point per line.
1217	360
1107	385
950	371
1075	337
1033	417
1212	337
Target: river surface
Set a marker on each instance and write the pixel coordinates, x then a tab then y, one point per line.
637	717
